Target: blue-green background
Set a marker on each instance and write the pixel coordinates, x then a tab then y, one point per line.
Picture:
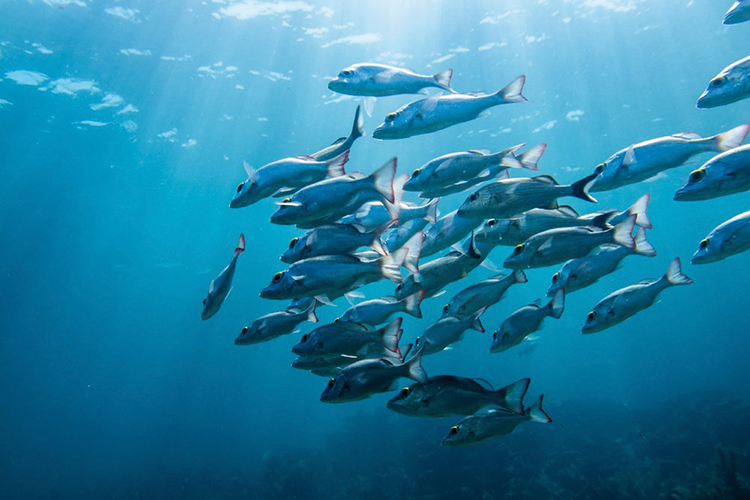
111	386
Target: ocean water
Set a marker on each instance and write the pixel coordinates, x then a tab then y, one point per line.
124	127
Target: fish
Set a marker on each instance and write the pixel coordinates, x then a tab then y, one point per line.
446	231
644	160
728	238
380	80
441	111
350	339
508	197
555	246
331	199
724	174
729	86
286	176
482	295
739	12
525	321
375	312
626	302
220	286
343	143
448	395
398	236
376	214
331	239
364	378
478	428
330	276
585	271
275	324
323	367
447	331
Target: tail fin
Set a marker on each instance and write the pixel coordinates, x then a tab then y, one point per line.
376	244
512	92
390	265
412	302
639	210
536	413
581	188
530	158
643	247
520	276
358	129
557	304
730	139
414	365
413	248
443	79
622	233
382	180
674	275
392	334
511	397
475	323
335	167
311	316
508	159
431	212
240	246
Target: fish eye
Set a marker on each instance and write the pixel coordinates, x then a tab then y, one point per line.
277	277
473	197
405	392
336	320
416	172
390	117
239	188
697	175
305	337
494	335
556	277
703	244
204	302
293	242
446	307
454	430
599	168
399	287
591	316
331	382
286	200
416	341
492	222
717	82
244	331
519	249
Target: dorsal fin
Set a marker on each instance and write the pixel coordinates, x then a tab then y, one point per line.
536	303
481	151
687	135
546	178
484	383
338	141
568	210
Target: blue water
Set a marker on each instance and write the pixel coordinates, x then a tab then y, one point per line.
114	221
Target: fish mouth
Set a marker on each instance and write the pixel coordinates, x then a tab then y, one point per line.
707	100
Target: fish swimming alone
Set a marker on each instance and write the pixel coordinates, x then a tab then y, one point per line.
343	143
626	302
508	197
729	86
727	239
724	174
441	111
478	428
482	295
525	321
375	312
448	395
220	286
380	80
646	159
275	324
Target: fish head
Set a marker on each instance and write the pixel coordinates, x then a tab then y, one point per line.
247	335
725	88
710	249
310	344
210	304
521	257
559	280
409	400
500	339
298	249
288	212
451	309
702	184
407	288
598	319
494	229
474	205
283	285
348	80
417	181
247	193
607	171
462	433
739	12
395	125
338	390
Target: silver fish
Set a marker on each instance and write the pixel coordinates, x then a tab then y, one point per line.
739	12
448	395
375	312
331	239
555	246
286	176
350	339
646	159
447	331
376	214
222	284
731	85
343	143
379	80
482	295
626	302
722	175
525	321
507	197
398	236
446	231
441	111
275	325
727	239
477	428
364	378
585	271
331	199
